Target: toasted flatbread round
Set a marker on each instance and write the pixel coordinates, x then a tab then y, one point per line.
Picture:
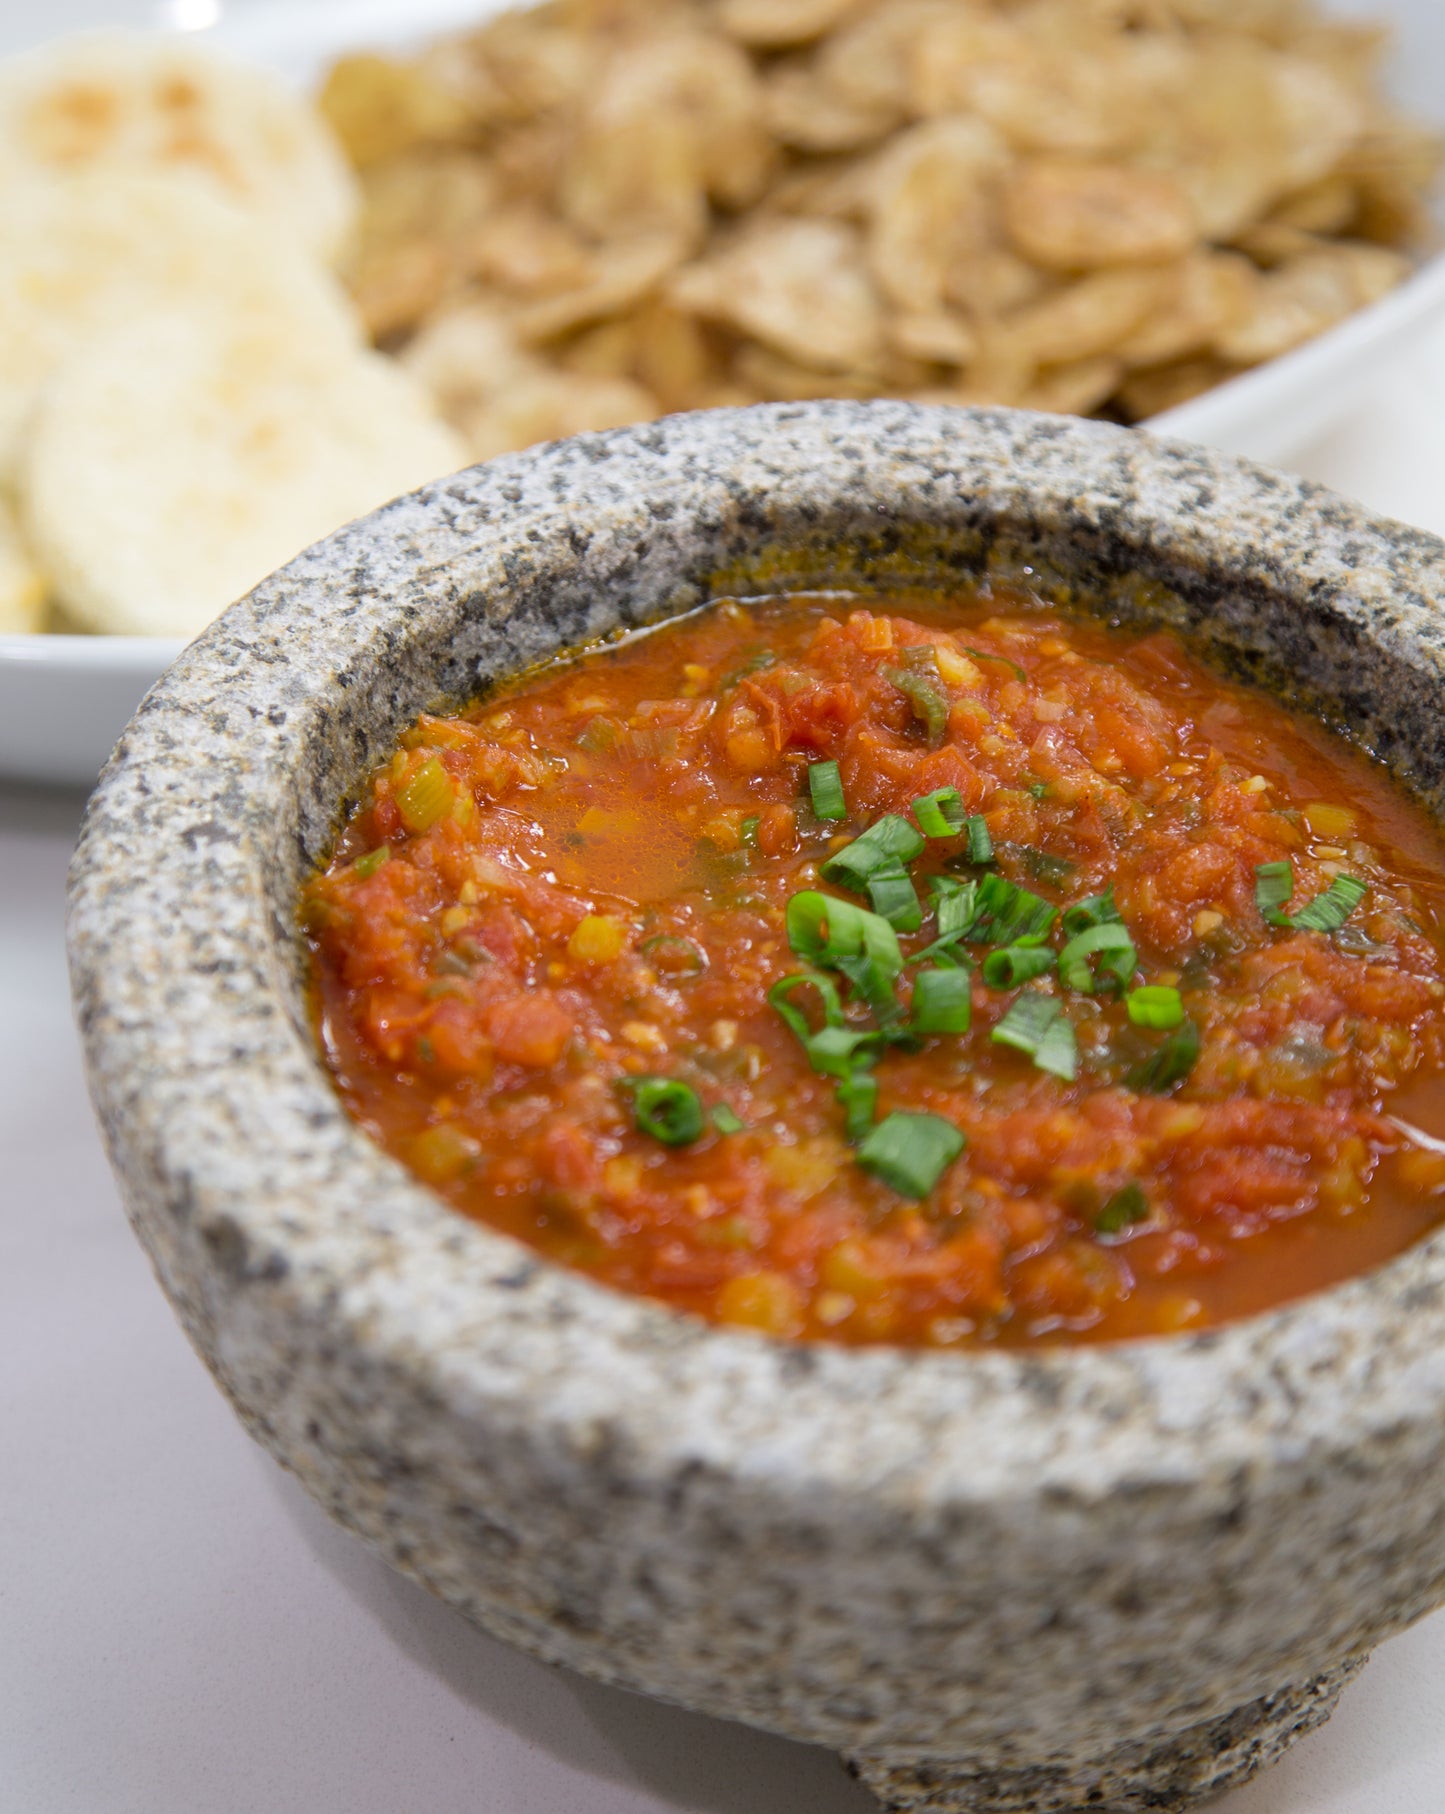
79	257
153	104
23	592
181	458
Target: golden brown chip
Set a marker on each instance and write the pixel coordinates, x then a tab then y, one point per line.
1206	293
1094	315
1076	216
1307	295
1075	387
634	166
1150	393
992	282
617	278
769	377
528	252
1046	80
774	24
379	108
932	195
805	114
1070	204
1251	126
548	405
797	285
939	338
464	357
396	286
672	356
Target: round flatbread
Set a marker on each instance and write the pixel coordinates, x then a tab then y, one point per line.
23	593
156	105
82	256
182	458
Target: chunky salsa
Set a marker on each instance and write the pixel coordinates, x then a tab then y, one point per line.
911	969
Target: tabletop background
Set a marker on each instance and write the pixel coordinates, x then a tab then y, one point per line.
182	1632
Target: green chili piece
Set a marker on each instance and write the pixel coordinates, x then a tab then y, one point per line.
371	862
980	655
930	707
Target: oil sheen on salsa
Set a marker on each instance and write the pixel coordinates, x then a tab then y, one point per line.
552	956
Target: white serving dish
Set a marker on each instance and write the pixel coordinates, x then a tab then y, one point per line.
65	699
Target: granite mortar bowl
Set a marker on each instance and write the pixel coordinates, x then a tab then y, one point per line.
1112	1578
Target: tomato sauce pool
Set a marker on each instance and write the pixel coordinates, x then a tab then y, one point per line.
925	970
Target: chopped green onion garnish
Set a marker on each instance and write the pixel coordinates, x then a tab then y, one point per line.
825	786
726	1120
1273	885
1044	866
780	996
889	843
979	655
1155	1005
1058	1052
1015	964
824	930
926	696
954	904
1039	789
748	832
911	1152
1171	1064
835	1049
1123	1209
858	1093
1117	958
371	862
1035	1024
1327	912
895	898
668	1110
942	1002
1009	915
842	1051
873	983
1097	910
940	813
980	844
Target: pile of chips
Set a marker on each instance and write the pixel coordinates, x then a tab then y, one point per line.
598	211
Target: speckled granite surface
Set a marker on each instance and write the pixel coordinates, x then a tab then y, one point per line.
1069	1561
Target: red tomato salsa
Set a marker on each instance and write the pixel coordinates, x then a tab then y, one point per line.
919	970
